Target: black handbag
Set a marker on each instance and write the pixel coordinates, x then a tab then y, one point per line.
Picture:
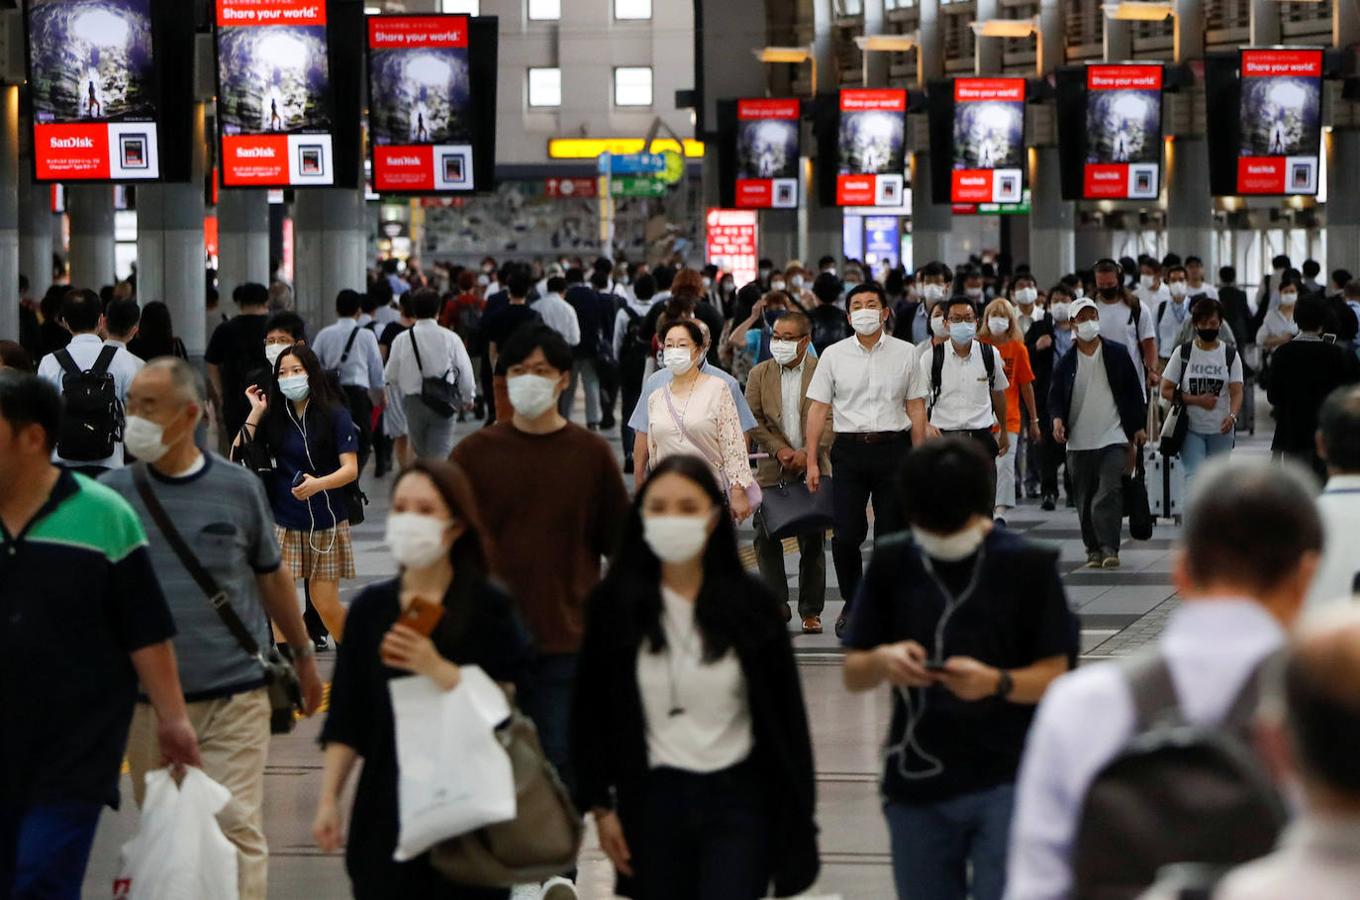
1177	424
253	454
791	509
436	392
1136	502
285	690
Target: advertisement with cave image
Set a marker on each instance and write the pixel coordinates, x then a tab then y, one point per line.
871	147
1281	137
989	140
93	87
1123	132
767	153
274	94
420	103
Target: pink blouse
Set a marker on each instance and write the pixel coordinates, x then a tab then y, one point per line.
711	429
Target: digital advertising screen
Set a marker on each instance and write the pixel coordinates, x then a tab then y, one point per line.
989	140
420	114
274	98
871	147
767	153
94	90
1281	121
1123	132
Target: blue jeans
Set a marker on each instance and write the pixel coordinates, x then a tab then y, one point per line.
1201	447
44	850
546	699
934	843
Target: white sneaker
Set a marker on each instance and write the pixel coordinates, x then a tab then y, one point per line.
526	892
559	888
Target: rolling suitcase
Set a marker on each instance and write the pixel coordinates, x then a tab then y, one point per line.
1165	484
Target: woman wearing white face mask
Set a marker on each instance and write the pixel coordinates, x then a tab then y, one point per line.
691	740
695	414
1003	333
309	438
435	534
1047	340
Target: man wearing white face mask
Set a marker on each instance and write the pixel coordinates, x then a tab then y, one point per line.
969	624
1025	295
1172	312
220	512
964	382
912	319
864	381
1096	401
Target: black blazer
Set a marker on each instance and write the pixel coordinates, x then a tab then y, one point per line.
609	743
1124	385
1041	362
1302	373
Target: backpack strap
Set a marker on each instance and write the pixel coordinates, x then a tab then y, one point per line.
103	360
68	364
1229	356
989	363
1152	690
1161	311
349	345
1244	706
936	373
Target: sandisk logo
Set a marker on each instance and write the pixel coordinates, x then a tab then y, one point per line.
71	143
403	161
255	152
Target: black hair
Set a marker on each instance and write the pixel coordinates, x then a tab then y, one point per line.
599	280
1323	717
696	333
1311	269
322	401
1206	308
867	287
1339	425
528	338
1150	263
518	282
473	553
895	283
1341	277
1311	313
368	303
958	300
287	321
425	303
380	292
1250	523
636	572
556	284
575	276
1227	274
81	309
122	316
23	282
1176	268
1171	259
1193	260
644	288
389	266
826	261
944	483
1280	262
347	303
156	336
14	356
250	293
826	287
26	399
664	275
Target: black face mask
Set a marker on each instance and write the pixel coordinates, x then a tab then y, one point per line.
1208	335
1114	292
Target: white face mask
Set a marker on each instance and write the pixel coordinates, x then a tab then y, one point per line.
974	293
776	285
1289	299
999	325
143	439
784	352
1078	292
416	540
677	359
1036	314
1061	312
295	387
708	282
933	293
675	539
866	321
272	352
1177	288
1026	296
949	547
796	281
1088	330
1146	281
939	327
531	395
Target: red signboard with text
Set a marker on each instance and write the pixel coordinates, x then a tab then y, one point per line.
1123	132
1281	121
989	140
871	147
731	242
767	153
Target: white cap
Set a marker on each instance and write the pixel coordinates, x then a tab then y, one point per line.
1083	303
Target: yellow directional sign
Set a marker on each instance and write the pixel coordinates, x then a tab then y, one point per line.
675	167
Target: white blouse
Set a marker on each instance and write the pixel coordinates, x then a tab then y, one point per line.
697	713
703	423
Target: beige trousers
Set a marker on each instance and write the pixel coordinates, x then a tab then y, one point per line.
233	738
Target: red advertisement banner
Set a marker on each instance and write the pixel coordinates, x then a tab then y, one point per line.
254	159
862	99
1276	63
1261	175
247	13
971	186
857	190
415	32
568	188
755	193
72	152
1124	78
975	90
731	242
768	109
1106	181
403	168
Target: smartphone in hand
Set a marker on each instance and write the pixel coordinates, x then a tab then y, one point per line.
422	616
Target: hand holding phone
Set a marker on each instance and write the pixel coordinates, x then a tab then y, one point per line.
422	616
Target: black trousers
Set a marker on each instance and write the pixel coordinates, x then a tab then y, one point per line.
630	386
361	410
863	473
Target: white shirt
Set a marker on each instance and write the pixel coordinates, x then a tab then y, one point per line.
867	389
1339	507
441	352
1087	716
965	402
1116	325
559	316
1094	419
1208	374
1170	323
364	366
1317	858
85	349
791	401
1276	324
386	315
1205	288
714	731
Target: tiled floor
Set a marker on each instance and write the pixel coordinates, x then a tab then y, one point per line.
1121	610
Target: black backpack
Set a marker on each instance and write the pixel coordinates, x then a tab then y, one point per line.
633	344
1176	793
92	415
937	370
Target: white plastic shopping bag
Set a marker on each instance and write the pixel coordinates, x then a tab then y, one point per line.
454	776
179	850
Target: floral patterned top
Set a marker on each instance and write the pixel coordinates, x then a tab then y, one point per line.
702	423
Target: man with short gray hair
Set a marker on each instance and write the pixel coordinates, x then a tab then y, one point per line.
220	512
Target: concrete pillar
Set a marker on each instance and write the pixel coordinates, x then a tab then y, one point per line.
1343	201
1263	22
930	49
875	65
1117	40
242	239
1189	207
9	212
930	222
35	231
819	226
1090	244
987	51
332	251
90	207
1052	244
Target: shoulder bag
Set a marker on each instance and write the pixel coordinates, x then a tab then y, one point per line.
285	691
1177	424
436	392
753	493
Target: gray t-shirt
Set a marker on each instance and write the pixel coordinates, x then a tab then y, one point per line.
222	514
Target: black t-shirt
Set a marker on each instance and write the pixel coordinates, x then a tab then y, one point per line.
237	349
1016	616
389	334
497	326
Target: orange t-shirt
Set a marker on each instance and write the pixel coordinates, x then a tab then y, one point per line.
1015	357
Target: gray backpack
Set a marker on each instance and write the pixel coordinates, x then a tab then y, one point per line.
1176	793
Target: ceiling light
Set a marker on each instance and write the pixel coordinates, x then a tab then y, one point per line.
1139	10
1006	28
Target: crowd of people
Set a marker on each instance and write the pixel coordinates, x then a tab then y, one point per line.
162	523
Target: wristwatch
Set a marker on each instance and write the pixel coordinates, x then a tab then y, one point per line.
1004	684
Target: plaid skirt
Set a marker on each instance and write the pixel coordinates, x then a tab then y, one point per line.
331	560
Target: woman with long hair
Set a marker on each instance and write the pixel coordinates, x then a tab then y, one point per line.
1048	339
436	536
695	413
690	735
1003	333
156	335
311	438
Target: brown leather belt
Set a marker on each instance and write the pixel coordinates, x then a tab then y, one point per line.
872	437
